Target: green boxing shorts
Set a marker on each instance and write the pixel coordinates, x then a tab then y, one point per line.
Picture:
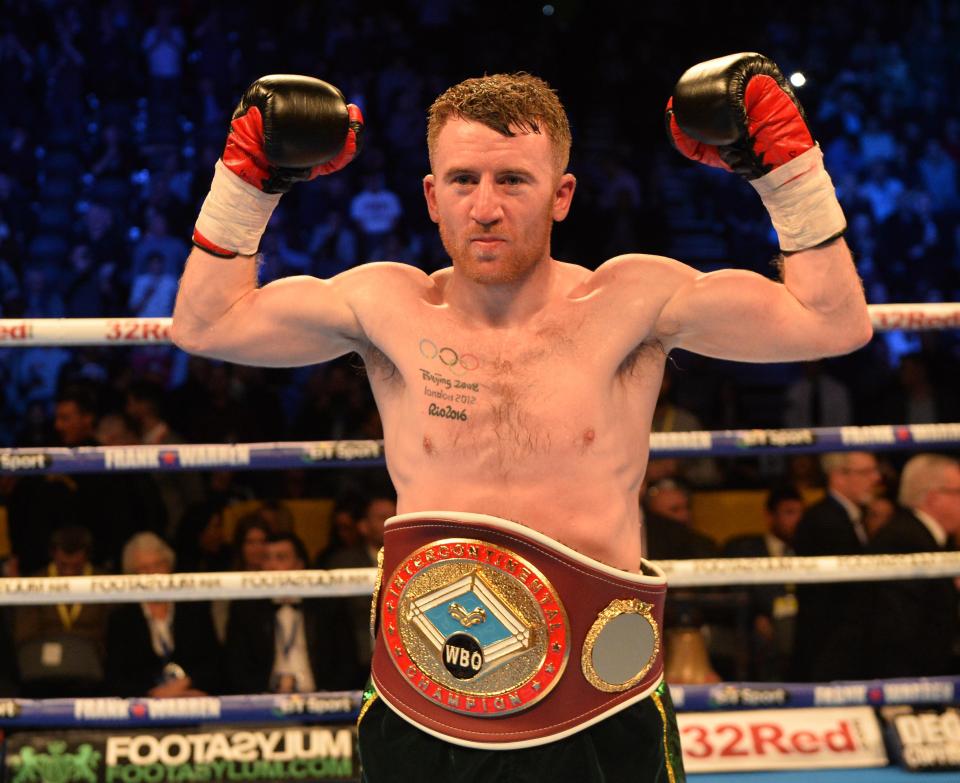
640	744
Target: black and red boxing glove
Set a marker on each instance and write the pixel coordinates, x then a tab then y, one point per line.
286	129
740	113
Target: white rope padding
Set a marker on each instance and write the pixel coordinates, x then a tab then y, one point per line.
30	332
359	581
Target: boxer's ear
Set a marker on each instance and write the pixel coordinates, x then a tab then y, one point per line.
563	195
430	194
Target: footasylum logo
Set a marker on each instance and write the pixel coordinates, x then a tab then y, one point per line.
55	766
288	754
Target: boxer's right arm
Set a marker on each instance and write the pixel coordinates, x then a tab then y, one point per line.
286	129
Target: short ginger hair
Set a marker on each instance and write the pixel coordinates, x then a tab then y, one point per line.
507	103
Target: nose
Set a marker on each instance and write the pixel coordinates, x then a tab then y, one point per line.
486	208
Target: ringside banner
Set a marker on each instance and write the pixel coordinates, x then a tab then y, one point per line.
781	739
251	754
924	739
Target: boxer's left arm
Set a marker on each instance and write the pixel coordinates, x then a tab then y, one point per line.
739	113
818	310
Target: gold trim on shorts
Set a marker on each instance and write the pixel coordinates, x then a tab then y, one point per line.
666	738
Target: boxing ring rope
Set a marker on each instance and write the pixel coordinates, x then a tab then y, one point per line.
919	316
209	586
344	706
369	453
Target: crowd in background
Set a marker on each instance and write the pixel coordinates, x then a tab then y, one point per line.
117	111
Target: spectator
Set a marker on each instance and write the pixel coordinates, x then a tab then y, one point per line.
379	508
915	399
333	245
112	158
40	296
830	632
915	623
102	233
250	543
667	524
773	608
882	190
60	647
344	529
116	429
879	511
290	645
81	289
877	142
668	416
938	172
113	507
153	290
817	399
376	211
38	505
200	544
178	490
163	46
156	239
160	649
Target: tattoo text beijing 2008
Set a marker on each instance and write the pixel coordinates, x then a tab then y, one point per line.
438	384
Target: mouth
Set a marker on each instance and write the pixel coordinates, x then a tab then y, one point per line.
487	242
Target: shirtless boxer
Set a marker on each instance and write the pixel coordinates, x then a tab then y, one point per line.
516	393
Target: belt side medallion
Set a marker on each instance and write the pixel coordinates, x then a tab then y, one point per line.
474	627
621	647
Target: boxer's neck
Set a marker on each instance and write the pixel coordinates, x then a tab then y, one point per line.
504	304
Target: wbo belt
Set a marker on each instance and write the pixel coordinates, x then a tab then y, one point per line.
493	635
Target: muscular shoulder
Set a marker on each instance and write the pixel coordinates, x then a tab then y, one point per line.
383	288
654	276
637	284
384	273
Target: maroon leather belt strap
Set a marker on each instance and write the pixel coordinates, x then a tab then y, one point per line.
494	635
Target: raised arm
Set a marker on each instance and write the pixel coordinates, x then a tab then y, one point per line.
739	113
286	129
818	310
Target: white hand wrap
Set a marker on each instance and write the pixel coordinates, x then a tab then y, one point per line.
234	214
802	202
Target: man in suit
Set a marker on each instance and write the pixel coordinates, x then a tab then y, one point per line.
160	649
773	608
915	622
667	524
60	646
829	642
379	508
290	645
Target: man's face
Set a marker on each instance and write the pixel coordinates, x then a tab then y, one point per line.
378	512
72	424
859	480
143	561
254	549
281	556
943	503
785	517
670	503
494	199
69	563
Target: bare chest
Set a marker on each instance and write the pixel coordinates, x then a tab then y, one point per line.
512	402
504	401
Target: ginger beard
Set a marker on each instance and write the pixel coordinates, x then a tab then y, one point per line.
505	262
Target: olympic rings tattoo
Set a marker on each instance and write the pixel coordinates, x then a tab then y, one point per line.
457	363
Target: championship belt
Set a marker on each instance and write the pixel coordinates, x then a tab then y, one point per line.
479	618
